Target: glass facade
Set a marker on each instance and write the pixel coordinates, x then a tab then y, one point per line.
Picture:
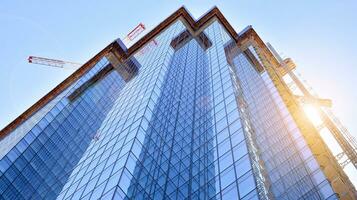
39	165
291	167
190	124
176	133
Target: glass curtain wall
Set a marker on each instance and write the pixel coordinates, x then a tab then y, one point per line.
174	132
291	167
38	165
187	125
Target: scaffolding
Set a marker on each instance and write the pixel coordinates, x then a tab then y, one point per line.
331	168
345	140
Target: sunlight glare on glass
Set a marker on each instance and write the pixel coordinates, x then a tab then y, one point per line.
312	114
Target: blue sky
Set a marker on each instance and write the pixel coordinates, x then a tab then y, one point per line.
318	35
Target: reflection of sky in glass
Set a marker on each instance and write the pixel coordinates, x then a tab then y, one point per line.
134	137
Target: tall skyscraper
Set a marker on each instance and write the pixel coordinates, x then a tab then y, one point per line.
193	110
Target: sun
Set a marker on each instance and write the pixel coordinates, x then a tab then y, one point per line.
312	114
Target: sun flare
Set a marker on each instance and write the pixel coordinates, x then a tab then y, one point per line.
312	114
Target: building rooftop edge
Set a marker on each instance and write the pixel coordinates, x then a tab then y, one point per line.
125	53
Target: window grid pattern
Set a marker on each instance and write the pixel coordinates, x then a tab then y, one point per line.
174	131
39	165
194	146
170	162
140	137
111	160
291	167
7	143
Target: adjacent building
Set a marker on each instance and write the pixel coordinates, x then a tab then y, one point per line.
193	110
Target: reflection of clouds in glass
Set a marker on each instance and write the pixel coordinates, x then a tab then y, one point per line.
204	101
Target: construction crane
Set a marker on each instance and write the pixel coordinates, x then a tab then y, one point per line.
134	33
53	62
73	65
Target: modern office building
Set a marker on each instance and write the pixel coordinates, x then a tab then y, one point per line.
192	110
